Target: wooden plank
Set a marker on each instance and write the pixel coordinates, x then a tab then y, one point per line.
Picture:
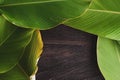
68	54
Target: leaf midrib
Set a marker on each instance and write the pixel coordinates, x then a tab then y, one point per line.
92	10
30	3
104	11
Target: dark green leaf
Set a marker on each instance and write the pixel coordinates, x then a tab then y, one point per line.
41	14
12	48
17	73
6	29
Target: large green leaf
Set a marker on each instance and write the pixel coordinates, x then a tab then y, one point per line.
32	53
108	53
101	18
12	48
41	14
19	52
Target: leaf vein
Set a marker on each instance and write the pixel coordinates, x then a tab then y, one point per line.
29	3
105	11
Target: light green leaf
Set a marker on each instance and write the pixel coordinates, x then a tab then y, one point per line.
41	14
108	53
12	48
101	18
32	53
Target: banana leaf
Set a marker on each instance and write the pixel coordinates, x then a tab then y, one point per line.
20	47
31	54
5	30
17	73
101	18
108	53
19	51
41	14
12	48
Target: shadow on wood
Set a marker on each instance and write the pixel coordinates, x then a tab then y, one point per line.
68	54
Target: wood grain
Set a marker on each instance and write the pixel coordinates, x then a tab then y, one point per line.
68	54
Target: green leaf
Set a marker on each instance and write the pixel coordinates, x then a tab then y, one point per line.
5	30
101	18
17	73
32	53
108	53
41	14
12	48
19	51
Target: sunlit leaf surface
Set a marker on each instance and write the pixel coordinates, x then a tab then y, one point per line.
101	18
108	53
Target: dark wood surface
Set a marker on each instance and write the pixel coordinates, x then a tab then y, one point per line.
68	54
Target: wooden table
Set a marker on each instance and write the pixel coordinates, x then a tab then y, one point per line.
68	54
